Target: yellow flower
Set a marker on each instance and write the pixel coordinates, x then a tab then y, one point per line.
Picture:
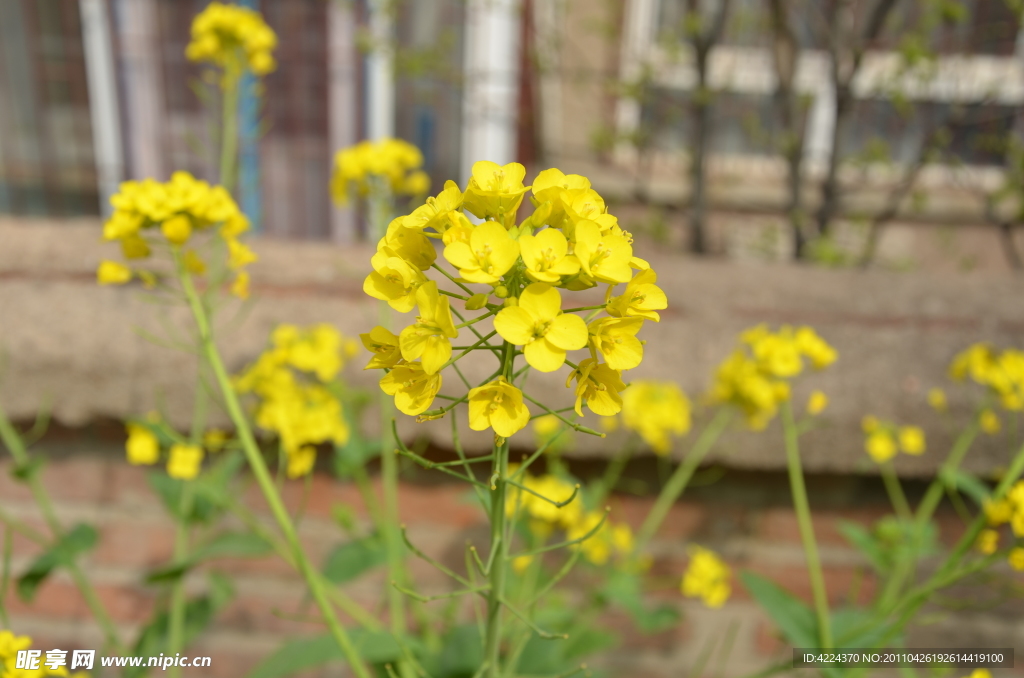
989	422
880	445
393	280
184	461
539	325
546	257
980	673
911	439
937	400
240	286
301	461
998	512
1016	558
434	214
498	405
539	505
615	339
177	229
113	273
988	542
707	577
316	350
134	247
657	411
429	336
194	263
410	244
777	354
383	344
598	385
602	257
214	439
495	191
740	381
520	563
221	33
11	644
412	387
488	255
817	403
820	353
588	205
609	424
642	298
239	255
558	189
142	446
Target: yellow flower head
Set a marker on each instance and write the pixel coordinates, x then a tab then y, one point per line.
389	160
987	542
642	298
495	191
816	403
602	257
410	244
11	644
177	229
548	430
240	286
383	344
215	439
558	189
498	405
316	350
599	386
740	381
540	504
428	338
412	387
393	280
880	445
937	400
113	273
239	255
1016	558
539	325
816	349
301	462
615	340
911	439
546	257
142	446
488	255
434	214
184	461
608	539
707	577
657	411
222	34
989	422
998	512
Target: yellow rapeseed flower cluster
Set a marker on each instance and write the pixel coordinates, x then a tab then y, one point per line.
568	243
184	461
230	36
755	376
393	160
657	410
1002	373
11	644
150	214
1008	510
883	439
707	577
291	381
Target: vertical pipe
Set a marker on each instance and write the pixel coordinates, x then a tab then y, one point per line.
249	193
144	112
343	95
380	66
103	110
492	82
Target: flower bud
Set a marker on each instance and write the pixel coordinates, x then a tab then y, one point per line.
511	301
501	291
476	302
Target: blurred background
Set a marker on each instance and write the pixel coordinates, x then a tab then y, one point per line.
855	165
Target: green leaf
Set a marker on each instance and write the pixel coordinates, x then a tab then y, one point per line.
864	541
25	472
858	627
462	652
81	538
624	589
224	545
790	614
966	483
351	559
297	655
210	491
354	454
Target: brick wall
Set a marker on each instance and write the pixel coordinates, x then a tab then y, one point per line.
745	516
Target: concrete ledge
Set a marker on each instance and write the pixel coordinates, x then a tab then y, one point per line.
71	342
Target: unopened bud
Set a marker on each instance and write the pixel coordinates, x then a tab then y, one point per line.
511	301
501	291
476	302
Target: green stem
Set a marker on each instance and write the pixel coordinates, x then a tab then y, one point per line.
895	491
933	495
16	445
803	515
229	126
263	477
176	621
681	478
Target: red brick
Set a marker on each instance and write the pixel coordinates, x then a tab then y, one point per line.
779	525
12	490
140	544
75	480
126	603
768	641
795	580
55	599
126	487
684	519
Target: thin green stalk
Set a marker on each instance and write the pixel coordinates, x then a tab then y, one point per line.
681	478
933	495
176	620
803	515
895	491
229	126
16	445
498	555
263	477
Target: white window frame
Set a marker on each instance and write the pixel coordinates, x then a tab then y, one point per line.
744	70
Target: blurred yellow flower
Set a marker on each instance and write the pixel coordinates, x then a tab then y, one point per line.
657	411
937	400
707	577
989	422
142	446
113	273
184	461
880	445
816	403
987	542
224	33
911	439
